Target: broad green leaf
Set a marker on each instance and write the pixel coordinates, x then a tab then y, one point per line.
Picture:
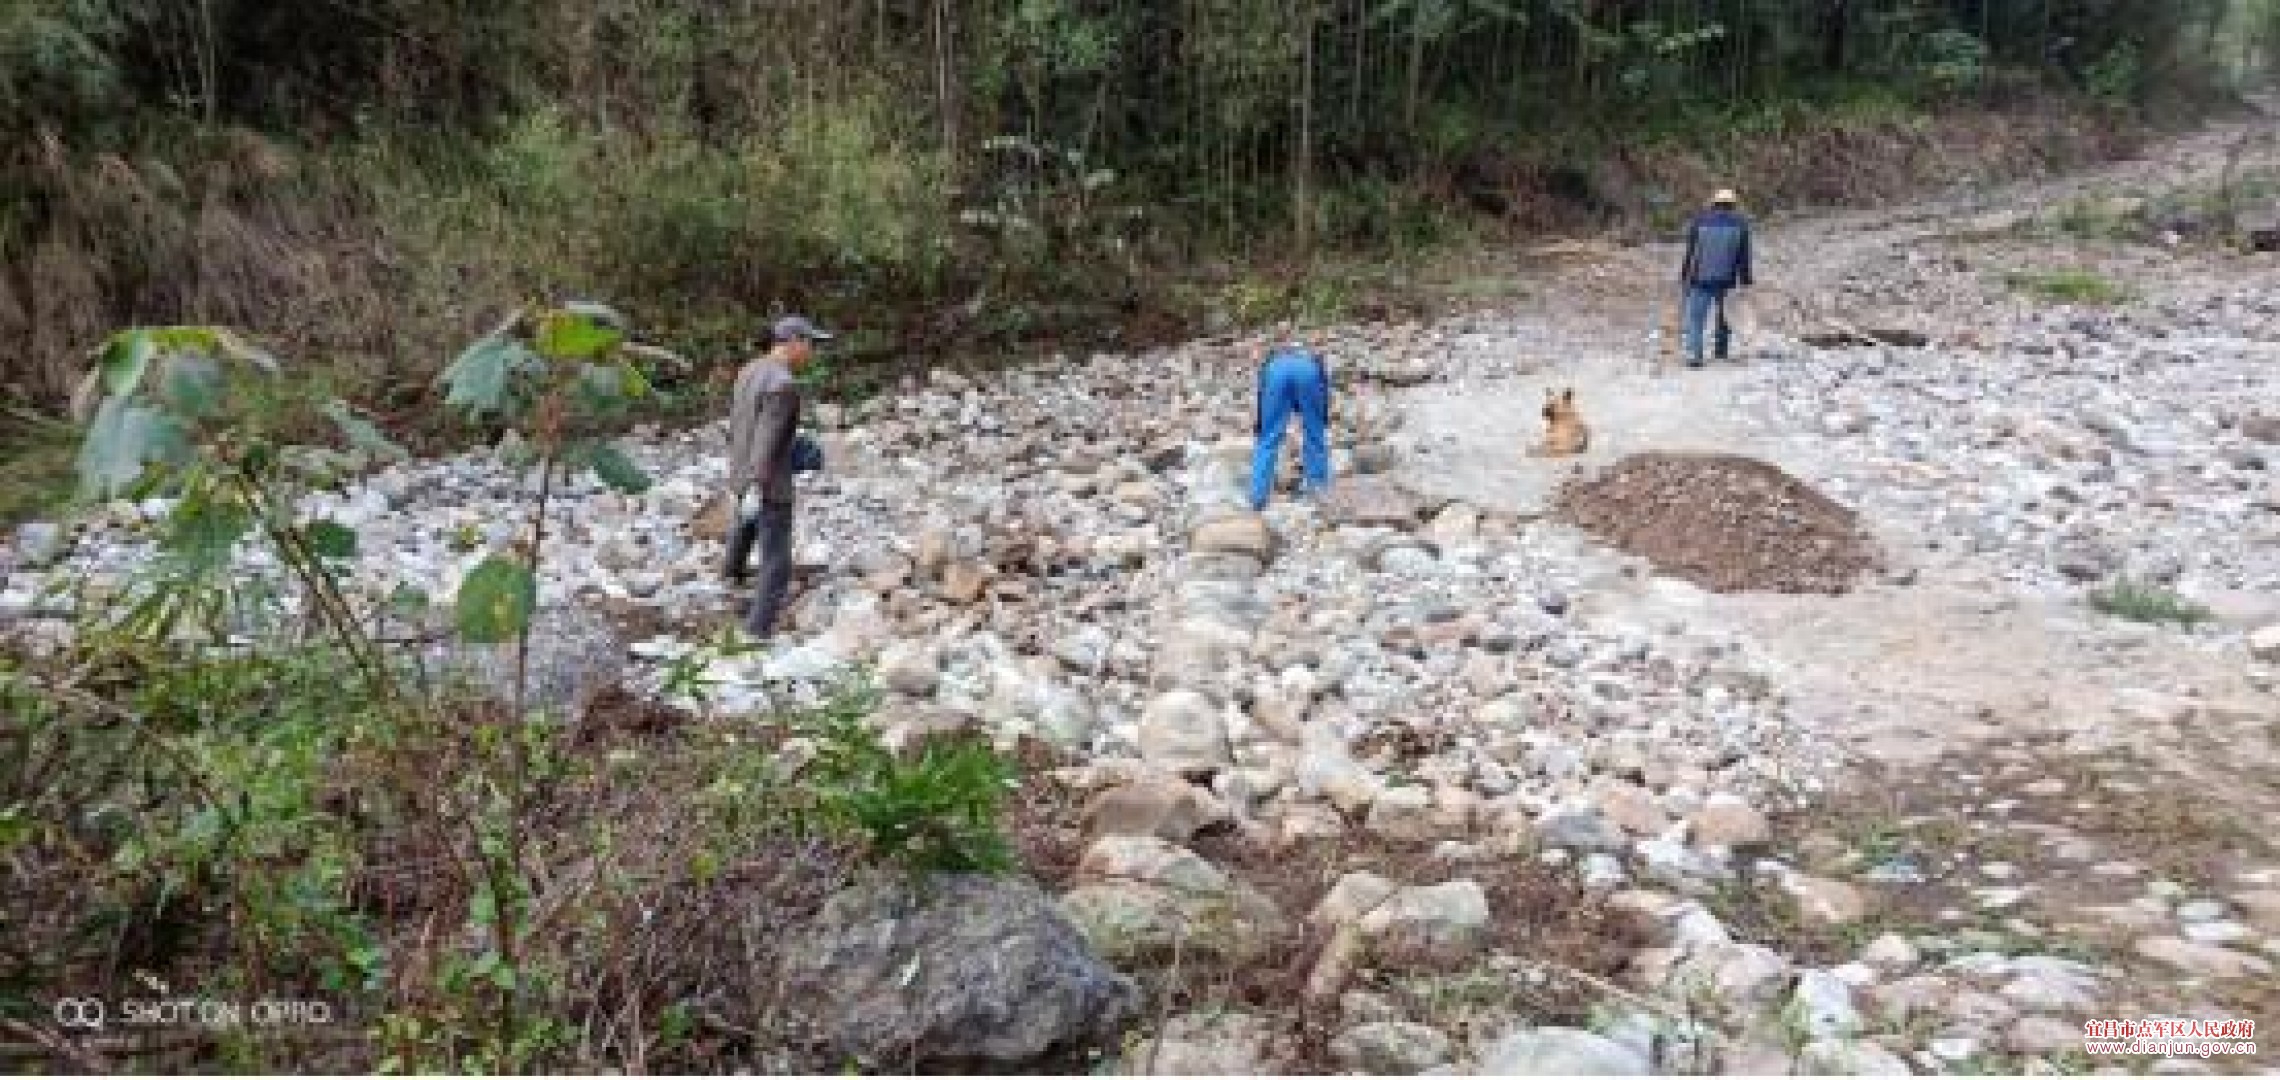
362	434
598	388
478	380
125	359
330	539
122	440
616	469
190	383
496	601
483	910
164	439
204	528
107	462
406	601
567	335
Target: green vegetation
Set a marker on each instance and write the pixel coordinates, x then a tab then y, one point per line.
933	810
2140	602
35	466
233	781
2068	286
367	186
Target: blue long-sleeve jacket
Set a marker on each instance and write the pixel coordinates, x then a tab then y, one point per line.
1717	250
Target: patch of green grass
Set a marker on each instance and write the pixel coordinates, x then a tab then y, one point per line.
2105	218
2139	602
2067	286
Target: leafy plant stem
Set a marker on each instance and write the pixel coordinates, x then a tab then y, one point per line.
321	585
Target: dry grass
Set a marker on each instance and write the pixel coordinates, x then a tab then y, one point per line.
36	467
230	229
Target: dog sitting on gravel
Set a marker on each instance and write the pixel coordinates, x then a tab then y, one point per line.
1564	432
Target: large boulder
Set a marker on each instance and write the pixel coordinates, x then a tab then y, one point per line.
962	968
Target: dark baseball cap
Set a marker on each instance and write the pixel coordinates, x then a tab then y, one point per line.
798	328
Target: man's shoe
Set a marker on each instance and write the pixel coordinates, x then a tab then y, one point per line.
736	561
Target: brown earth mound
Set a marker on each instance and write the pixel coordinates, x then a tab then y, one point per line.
1728	524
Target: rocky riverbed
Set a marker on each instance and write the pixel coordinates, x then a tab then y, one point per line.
1061	553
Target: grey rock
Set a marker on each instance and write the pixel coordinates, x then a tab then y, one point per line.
1432	926
965	968
2264	644
1850	1057
1182	729
40	544
1557	1051
1668	862
1583	828
1213	1043
1390	1048
1603	871
2050	984
910	668
2043	1035
1891	954
1083	650
2206	961
1824	1005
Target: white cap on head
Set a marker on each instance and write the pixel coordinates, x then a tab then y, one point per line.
1725	197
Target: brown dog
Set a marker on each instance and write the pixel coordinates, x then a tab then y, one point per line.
1564	432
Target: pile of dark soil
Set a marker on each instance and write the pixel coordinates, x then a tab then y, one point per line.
1728	524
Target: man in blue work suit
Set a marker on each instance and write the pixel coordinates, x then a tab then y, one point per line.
1293	378
1717	262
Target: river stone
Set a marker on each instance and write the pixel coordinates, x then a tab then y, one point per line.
1557	1051
965	968
1390	1048
1183	730
1425	927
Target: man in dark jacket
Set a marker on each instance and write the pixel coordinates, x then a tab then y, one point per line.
763	422
1717	262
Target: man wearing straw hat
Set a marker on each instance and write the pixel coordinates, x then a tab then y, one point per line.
1717	263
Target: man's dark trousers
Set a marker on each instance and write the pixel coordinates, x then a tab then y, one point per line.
771	530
